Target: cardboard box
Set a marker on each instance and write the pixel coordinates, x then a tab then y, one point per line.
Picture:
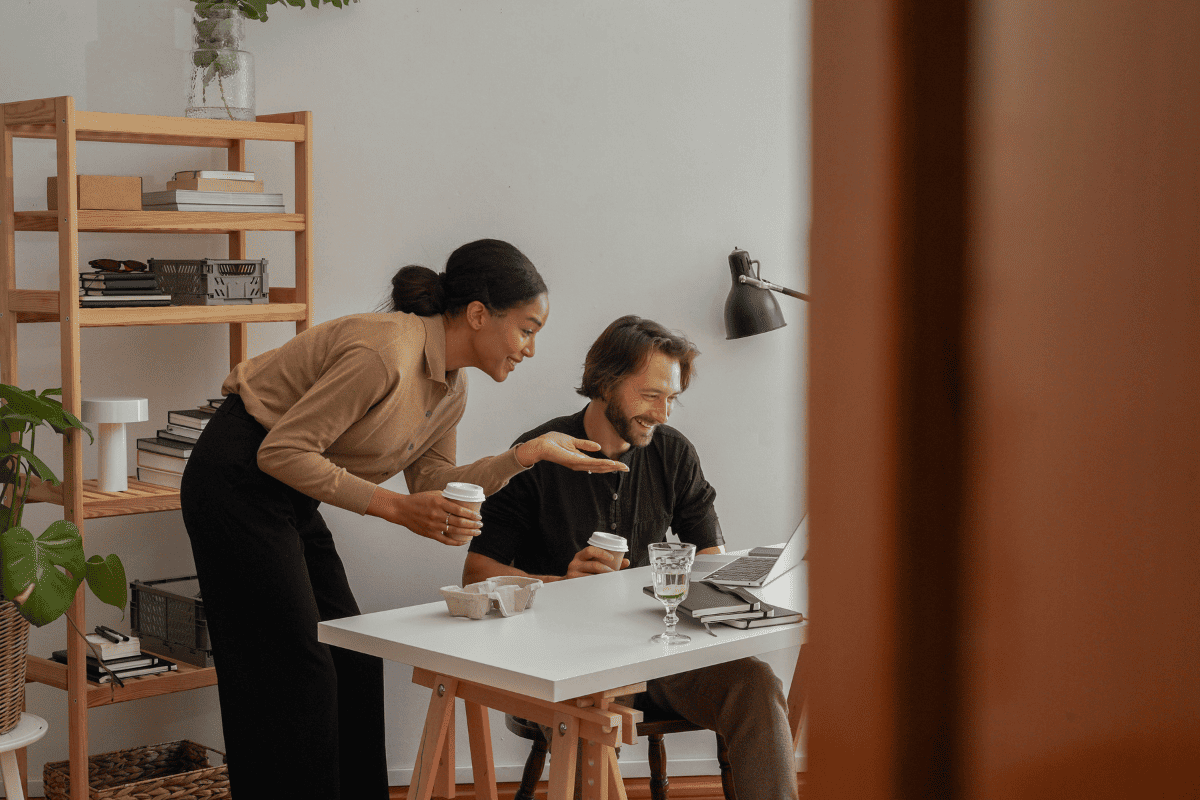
107	192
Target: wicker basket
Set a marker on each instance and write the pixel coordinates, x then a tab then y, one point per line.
14	645
170	771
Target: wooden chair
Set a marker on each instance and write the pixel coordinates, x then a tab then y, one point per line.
655	724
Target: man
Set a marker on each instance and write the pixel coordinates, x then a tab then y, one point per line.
540	522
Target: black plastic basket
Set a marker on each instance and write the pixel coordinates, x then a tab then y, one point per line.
168	616
212	281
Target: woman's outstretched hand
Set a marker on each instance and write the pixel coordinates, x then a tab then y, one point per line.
427	514
566	451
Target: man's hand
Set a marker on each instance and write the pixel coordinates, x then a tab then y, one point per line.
566	451
591	560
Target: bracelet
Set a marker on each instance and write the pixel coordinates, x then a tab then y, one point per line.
517	453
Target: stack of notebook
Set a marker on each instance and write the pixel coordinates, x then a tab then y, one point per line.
214	190
707	603
100	289
121	659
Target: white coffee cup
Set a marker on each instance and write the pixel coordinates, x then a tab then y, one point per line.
615	545
465	494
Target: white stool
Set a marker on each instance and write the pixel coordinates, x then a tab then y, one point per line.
112	413
28	731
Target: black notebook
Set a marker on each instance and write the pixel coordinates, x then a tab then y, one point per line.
704	600
771	615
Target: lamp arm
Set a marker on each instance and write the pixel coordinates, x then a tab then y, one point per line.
761	284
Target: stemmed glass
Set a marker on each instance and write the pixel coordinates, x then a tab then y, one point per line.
670	563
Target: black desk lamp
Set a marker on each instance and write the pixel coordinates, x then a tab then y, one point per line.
751	308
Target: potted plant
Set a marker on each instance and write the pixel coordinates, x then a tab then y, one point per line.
39	575
218	26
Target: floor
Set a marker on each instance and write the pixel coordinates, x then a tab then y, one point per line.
682	788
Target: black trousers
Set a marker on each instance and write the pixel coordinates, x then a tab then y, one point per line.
301	719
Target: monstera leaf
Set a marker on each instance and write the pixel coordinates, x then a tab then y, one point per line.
54	565
106	579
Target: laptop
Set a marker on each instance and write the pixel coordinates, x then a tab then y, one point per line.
759	570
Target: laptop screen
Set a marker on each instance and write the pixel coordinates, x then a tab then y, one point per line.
793	551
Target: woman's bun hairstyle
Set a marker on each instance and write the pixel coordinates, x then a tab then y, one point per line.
418	290
491	271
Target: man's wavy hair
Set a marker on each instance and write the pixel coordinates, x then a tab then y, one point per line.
625	347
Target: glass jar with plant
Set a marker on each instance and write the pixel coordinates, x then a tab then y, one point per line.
39	575
218	57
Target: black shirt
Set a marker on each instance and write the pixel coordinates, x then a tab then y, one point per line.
545	515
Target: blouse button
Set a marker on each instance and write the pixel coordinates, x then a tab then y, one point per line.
410	447
614	495
428	414
613	526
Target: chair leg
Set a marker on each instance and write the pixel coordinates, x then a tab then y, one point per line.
658	767
726	770
533	770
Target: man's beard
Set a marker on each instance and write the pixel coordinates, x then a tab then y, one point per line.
624	426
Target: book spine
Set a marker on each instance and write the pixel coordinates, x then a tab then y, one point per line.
163	446
214	174
214	185
196	421
146	458
177	437
159	478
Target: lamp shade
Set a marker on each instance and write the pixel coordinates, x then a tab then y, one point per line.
749	310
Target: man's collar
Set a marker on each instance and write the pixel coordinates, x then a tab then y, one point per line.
435	348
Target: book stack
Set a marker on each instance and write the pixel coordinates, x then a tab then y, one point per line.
101	289
214	190
161	458
707	603
124	659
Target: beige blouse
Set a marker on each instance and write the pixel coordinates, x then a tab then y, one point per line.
351	402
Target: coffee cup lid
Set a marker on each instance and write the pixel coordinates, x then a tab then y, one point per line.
608	541
466	492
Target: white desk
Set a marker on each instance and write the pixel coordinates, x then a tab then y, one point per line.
561	663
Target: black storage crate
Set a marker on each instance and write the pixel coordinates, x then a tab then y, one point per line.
168	616
212	281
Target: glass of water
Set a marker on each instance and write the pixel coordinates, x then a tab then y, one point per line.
670	563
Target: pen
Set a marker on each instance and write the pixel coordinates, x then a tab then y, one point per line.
108	633
112	637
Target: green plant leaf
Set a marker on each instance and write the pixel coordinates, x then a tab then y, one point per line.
9	471
12	422
54	563
106	579
42	409
36	465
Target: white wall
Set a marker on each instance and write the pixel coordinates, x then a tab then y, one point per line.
626	147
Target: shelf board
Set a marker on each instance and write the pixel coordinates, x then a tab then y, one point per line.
41	305
35	119
93	221
140	498
52	673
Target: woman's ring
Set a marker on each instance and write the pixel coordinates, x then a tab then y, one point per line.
447	529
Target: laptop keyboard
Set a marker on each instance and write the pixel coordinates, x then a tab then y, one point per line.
744	569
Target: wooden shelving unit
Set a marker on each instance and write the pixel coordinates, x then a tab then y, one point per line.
57	119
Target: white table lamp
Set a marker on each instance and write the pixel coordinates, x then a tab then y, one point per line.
111	414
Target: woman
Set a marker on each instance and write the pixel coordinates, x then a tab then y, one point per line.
325	418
